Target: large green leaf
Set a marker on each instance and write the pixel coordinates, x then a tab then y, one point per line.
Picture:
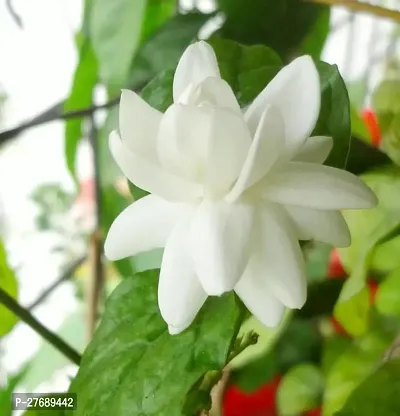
370	227
377	395
134	367
300	389
85	79
388	295
117	30
334	118
8	283
352	367
283	25
80	96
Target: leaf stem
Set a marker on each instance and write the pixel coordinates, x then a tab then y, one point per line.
31	321
358	6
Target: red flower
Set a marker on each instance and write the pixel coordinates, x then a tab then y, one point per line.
371	122
314	412
261	402
335	268
373	287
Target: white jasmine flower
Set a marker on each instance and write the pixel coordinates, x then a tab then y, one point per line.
232	193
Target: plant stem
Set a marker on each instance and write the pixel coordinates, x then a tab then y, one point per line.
69	271
358	6
31	321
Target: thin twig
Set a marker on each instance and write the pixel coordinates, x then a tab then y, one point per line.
393	351
45	333
69	271
96	281
53	114
16	17
358	6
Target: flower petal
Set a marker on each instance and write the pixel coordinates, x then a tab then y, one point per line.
183	138
204	144
142	226
220	244
280	257
295	91
197	63
180	294
229	143
317	186
315	150
212	91
264	151
150	176
324	226
138	124
255	293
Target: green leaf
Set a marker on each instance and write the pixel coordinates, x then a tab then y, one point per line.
247	69
317	259
80	96
133	366
158	92
7	391
363	157
117	30
353	313
300	342
314	41
300	389
256	373
333	348
386	97
385	257
334	118
8	283
321	298
162	50
283	25
369	227
377	395
352	367
358	126
388	295
85	79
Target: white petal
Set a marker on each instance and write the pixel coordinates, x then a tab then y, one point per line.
229	143
255	293
315	150
212	91
138	124
296	92
280	256
180	295
324	226
142	226
318	186
204	144
151	177
263	153
197	63
220	244
183	138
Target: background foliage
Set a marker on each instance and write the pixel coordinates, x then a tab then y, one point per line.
336	356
